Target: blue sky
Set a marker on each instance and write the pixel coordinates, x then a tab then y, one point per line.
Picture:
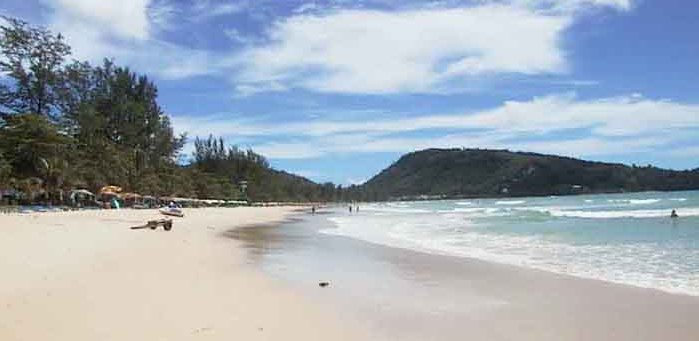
337	90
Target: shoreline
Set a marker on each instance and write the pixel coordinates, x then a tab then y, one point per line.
520	267
415	296
87	276
253	273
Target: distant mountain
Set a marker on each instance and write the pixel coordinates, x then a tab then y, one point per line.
451	173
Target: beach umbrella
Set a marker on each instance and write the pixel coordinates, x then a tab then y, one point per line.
83	192
80	192
110	189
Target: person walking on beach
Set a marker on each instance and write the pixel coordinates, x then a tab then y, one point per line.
350	208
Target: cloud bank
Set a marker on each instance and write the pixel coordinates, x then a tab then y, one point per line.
338	49
368	51
558	123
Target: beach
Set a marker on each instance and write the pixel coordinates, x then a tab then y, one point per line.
407	295
253	273
87	276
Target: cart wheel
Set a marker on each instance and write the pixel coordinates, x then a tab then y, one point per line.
153	226
168	226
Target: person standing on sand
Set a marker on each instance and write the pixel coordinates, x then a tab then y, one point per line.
350	208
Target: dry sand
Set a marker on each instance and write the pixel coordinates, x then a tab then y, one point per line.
87	276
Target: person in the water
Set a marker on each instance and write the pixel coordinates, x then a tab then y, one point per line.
673	214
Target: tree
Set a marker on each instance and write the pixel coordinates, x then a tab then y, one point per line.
78	125
25	138
5	171
33	58
34	148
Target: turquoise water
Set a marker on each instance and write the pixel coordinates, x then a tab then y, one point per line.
622	238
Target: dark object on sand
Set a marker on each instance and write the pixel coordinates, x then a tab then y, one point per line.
323	284
153	224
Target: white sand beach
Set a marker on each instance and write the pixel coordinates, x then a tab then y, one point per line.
87	276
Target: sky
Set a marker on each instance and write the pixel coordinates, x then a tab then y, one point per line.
337	90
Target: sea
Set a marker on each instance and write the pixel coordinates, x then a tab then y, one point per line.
621	238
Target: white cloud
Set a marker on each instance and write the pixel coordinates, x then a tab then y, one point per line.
606	126
629	115
205	9
336	49
126	19
300	150
368	51
569	6
162	13
235	35
306	7
124	30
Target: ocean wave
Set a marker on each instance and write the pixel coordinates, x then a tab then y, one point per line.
686	212
634	201
394	209
480	212
639	264
510	202
643	201
464	203
678	199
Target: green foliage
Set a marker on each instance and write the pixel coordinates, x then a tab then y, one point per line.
32	58
220	170
28	141
77	125
455	173
5	171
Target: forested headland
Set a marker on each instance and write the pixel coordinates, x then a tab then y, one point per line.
459	173
66	124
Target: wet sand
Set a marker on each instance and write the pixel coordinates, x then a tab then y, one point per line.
406	295
87	276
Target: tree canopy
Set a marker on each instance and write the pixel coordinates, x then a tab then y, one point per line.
68	124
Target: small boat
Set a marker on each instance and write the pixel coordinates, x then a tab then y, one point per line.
172	211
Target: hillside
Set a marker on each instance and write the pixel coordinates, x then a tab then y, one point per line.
475	172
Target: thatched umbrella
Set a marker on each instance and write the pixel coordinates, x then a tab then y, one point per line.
110	189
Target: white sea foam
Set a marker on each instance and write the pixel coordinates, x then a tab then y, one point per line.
634	201
685	212
548	234
510	202
393	209
633	264
643	201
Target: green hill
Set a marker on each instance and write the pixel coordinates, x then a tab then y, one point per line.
455	173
